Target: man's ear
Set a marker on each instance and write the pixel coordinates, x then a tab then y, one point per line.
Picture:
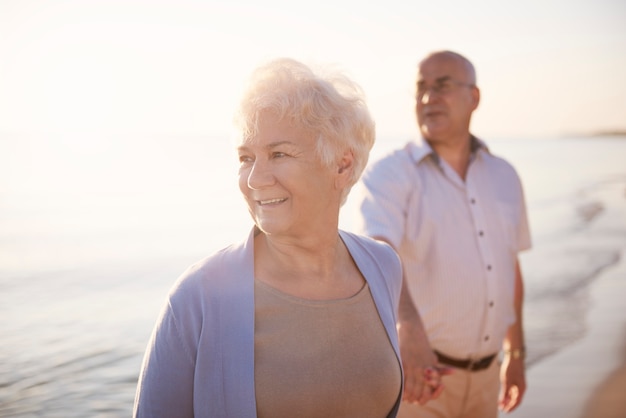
475	97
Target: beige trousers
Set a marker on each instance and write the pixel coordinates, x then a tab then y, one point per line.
466	395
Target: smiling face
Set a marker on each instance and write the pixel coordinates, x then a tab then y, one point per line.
446	97
286	186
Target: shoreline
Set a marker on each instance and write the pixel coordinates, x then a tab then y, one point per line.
609	399
586	379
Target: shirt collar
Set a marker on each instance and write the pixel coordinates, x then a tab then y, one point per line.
420	149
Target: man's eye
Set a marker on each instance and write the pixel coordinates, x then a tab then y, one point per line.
243	159
444	87
278	154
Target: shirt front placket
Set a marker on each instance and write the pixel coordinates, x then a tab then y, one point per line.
475	205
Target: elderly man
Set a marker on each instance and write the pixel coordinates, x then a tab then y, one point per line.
456	215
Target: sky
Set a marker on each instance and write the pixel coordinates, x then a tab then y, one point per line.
545	67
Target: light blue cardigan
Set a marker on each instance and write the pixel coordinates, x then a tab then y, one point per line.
200	358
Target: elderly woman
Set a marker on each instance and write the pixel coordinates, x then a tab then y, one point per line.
299	319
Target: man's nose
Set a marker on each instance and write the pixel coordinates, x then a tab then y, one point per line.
428	95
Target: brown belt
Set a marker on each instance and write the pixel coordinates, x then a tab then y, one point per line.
469	364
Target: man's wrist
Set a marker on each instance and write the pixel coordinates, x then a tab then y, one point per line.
516	353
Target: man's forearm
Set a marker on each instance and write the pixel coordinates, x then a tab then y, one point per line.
514	341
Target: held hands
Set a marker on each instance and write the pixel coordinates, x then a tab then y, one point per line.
422	375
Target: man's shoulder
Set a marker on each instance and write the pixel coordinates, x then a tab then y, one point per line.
397	159
499	165
493	161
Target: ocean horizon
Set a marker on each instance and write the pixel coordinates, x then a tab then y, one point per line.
95	230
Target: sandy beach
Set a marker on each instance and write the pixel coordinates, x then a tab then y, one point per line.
588	378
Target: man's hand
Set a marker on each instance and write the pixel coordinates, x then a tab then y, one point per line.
513	383
422	375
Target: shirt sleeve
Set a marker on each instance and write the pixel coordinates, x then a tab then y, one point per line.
523	228
382	197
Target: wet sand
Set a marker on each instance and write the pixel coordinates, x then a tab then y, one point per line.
588	378
609	399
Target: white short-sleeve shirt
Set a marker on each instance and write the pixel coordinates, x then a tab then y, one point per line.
458	240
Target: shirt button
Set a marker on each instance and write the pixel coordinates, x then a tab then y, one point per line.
489	267
472	201
486	338
480	233
491	304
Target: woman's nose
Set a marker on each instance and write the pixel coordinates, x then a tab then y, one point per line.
260	175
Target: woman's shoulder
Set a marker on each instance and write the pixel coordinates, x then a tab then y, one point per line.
218	270
378	262
380	251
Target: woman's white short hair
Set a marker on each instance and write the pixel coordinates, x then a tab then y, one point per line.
329	105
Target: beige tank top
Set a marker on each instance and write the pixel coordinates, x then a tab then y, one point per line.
325	359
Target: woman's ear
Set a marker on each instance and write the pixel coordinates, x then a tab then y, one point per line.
344	168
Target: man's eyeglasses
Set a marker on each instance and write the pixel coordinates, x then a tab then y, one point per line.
441	87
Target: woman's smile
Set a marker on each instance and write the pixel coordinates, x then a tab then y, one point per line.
271	201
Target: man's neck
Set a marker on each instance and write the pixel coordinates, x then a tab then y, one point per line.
456	152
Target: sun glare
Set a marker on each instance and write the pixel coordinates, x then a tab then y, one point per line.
177	67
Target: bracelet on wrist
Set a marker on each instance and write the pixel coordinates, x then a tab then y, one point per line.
516	353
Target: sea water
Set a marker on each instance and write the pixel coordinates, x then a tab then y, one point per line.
94	229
